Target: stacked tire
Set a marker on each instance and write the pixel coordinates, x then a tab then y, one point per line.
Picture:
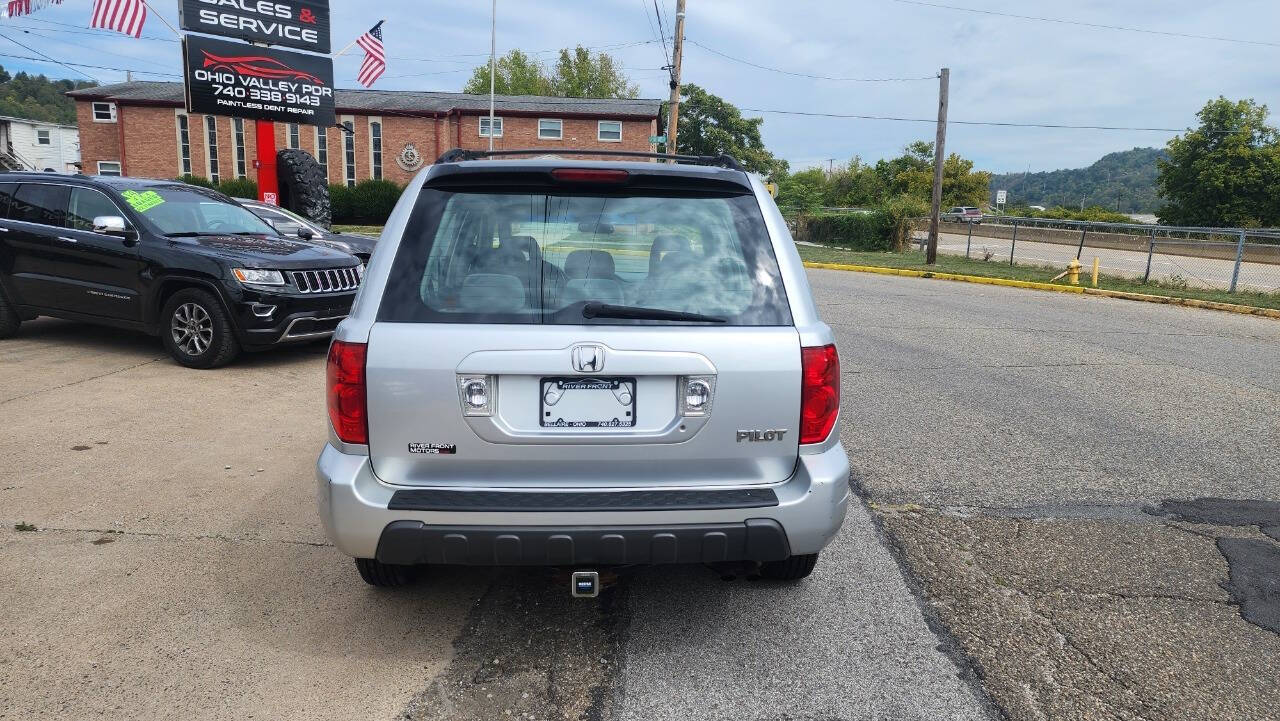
304	186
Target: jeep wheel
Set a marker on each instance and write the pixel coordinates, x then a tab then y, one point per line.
196	330
789	569
386	575
304	186
9	318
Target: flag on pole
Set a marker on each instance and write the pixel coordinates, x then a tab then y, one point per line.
123	16
375	57
18	8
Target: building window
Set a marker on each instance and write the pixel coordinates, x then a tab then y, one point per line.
237	127
295	139
375	147
550	129
349	152
104	112
108	167
184	145
322	148
42	137
484	127
610	131
211	145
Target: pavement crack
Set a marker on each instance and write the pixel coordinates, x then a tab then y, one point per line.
82	380
184	536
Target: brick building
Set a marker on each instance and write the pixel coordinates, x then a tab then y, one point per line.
142	129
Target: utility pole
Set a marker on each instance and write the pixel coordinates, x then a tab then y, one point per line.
939	145
677	52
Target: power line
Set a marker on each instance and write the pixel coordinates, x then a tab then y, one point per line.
94	67
96	50
996	123
662	35
807	75
1081	23
28	48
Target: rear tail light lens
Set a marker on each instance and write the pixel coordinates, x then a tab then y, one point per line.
589	175
348	404
819	392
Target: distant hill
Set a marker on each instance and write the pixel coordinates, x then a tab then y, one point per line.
1124	181
38	98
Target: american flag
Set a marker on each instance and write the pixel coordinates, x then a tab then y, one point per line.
26	7
123	16
375	56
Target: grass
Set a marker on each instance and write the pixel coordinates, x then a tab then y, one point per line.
23	526
914	260
374	230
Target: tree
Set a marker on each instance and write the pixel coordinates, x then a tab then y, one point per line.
709	125
960	185
38	97
582	75
1224	173
805	190
517	74
578	74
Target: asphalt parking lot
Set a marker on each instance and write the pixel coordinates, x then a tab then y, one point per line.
1013	554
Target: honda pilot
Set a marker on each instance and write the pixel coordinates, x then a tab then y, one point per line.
583	364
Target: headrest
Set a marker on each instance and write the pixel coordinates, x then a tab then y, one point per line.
588	264
491	293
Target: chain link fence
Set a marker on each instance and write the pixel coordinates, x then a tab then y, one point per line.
1231	259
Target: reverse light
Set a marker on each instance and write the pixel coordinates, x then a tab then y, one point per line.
590	175
696	394
345	381
476	394
256	276
819	392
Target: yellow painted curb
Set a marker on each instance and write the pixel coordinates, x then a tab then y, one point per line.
1167	300
948	276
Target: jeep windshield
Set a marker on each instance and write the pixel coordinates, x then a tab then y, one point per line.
577	259
177	211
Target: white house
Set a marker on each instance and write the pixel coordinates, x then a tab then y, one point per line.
38	145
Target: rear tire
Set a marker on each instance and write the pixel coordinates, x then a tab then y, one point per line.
196	330
386	575
9	318
793	568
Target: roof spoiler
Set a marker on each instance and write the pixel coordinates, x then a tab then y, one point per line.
723	160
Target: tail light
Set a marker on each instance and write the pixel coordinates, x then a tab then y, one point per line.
590	175
819	392
348	407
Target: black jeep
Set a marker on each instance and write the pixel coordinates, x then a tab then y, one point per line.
165	258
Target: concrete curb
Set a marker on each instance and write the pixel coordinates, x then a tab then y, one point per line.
1125	295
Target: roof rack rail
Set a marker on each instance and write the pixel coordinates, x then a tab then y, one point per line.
723	160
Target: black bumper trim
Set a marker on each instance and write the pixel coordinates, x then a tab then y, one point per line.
414	542
434	499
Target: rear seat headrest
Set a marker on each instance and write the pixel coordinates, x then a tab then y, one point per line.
589	264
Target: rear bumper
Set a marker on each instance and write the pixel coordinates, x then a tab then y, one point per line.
364	519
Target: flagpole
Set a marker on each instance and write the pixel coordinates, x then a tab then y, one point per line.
493	62
166	22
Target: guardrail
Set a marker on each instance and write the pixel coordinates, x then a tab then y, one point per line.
1221	258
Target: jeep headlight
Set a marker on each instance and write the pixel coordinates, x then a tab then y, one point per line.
255	276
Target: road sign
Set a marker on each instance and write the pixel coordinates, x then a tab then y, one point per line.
301	24
244	81
655	139
1000	196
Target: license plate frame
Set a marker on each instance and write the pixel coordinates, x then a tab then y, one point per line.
612	385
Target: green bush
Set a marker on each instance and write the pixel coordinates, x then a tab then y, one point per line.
1093	213
239	188
341	203
190	179
865	230
901	210
374	200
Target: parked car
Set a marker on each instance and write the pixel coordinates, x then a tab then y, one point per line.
523	384
292	225
165	258
963	214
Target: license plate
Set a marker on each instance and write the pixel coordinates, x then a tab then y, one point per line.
587	403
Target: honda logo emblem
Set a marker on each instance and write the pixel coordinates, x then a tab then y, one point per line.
588	358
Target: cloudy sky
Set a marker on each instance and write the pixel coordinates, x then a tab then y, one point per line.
1002	69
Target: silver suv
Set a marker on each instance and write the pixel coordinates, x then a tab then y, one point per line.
583	364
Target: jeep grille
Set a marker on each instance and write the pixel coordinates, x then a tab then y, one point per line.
334	280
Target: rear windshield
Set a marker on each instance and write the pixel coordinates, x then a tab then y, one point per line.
522	257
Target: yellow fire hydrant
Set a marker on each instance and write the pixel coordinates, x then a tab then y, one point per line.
1073	272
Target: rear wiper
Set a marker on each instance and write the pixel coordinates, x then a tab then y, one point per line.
596	309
